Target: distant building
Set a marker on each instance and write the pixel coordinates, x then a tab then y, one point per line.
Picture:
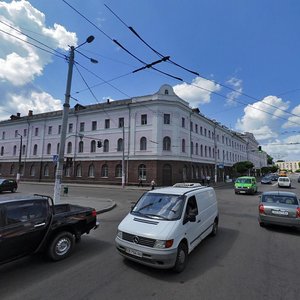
289	165
163	139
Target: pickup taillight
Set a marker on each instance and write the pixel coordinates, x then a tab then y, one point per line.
261	209
298	212
94	213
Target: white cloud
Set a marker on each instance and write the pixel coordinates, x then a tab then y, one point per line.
293	121
236	84
198	92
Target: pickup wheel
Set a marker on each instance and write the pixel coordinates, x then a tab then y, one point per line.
61	246
181	258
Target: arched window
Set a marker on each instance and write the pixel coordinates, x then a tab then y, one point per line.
142	172
15	150
91	171
183	145
201	150
104	171
205	151
23	150
93	146
57	148
35	147
118	172
2	151
120	145
69	147
32	170
78	170
80	147
197	149
46	170
166	143
192	148
143	143
106	146
209	151
49	148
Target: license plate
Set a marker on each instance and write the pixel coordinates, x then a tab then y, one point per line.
280	213
134	252
242	192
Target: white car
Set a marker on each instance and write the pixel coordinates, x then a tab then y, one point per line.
166	224
284	182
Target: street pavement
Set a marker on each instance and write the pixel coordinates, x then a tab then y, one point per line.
103	205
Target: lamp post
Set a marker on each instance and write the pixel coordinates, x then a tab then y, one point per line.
66	106
20	156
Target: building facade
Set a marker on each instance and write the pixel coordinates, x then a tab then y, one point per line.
289	165
156	137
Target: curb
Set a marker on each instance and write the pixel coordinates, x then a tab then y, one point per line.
106	209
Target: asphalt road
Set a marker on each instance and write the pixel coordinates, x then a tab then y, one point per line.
244	261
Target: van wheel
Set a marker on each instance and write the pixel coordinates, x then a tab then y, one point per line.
181	259
215	228
61	246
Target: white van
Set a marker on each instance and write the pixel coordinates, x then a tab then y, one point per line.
166	224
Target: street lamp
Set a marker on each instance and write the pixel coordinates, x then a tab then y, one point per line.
66	106
20	155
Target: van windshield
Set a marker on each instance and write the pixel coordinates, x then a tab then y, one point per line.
243	180
160	206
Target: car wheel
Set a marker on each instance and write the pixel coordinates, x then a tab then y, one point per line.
181	258
14	190
61	246
261	224
215	228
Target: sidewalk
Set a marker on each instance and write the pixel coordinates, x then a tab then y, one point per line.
103	205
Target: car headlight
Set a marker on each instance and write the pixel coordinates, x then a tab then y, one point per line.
162	244
120	234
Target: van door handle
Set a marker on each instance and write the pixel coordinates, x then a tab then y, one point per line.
199	221
39	225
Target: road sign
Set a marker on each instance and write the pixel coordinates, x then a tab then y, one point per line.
221	166
55	158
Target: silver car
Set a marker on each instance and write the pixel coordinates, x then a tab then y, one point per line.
279	208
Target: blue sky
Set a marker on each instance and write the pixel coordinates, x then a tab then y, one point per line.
252	47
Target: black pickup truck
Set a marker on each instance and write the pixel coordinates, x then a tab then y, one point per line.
32	224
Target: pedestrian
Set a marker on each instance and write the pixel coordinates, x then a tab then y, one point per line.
152	184
140	182
208	179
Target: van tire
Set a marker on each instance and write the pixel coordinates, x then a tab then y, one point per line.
181	258
215	228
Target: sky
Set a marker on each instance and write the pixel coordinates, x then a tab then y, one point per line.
244	56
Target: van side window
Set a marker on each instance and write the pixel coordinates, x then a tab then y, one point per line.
191	206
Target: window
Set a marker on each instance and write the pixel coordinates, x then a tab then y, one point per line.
201	130
106	146
107	124
183	145
166	143
23	150
192	148
191	207
205	151
69	147
36	131
15	150
93	146
50	130
104	170
49	148
143	119
16	133
94	125
35	147
196	128
118	173
57	148
142	172
3	135
183	122
121	122
46	170
2	151
166	92
78	170
201	150
167	118
59	129
70	127
12	170
197	149
143	143
192	126
204	131
80	147
91	172
81	126
120	145
32	170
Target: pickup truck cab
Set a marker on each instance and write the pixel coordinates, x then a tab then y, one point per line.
166	224
31	224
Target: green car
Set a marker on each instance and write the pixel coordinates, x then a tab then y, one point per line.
245	185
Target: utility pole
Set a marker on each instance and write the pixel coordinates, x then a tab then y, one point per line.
66	107
123	158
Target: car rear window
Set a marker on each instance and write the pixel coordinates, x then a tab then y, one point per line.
280	199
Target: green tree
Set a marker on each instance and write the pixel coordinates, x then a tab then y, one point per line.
242	167
270	160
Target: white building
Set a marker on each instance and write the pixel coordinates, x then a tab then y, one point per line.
163	137
289	165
